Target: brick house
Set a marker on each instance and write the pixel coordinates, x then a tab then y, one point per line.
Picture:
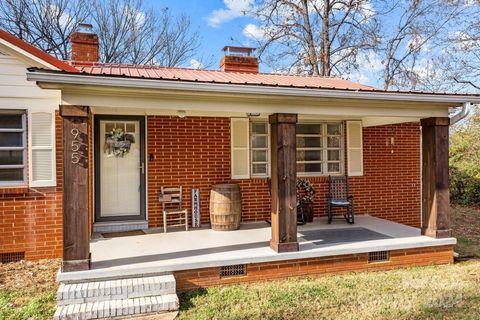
195	128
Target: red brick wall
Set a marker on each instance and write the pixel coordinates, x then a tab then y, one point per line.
195	152
31	218
207	277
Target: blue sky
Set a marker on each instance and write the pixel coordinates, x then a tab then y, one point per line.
219	22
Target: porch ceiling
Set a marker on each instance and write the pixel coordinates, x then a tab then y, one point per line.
155	252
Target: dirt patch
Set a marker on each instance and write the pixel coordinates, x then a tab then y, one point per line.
20	275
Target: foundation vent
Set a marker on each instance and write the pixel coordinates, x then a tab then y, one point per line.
11	257
233	270
378	256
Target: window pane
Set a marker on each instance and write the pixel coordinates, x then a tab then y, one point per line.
259	128
259	168
333	142
11	139
303	128
130	127
334	155
309	142
109	126
333	167
309	167
333	129
259	142
9	157
259	155
11	121
11	174
309	155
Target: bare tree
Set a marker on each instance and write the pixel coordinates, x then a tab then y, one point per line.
129	32
46	24
421	26
319	37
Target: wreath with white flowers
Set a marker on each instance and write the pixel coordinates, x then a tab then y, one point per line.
305	191
117	143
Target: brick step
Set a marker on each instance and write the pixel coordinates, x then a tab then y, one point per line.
96	291
117	307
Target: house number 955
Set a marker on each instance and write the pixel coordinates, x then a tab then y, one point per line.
76	144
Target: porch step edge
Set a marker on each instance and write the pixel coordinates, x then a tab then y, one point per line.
75	293
118	307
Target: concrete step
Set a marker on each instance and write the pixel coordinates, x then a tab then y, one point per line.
97	291
117	307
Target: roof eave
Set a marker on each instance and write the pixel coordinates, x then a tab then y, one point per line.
42	77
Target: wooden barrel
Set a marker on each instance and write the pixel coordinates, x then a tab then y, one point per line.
225	207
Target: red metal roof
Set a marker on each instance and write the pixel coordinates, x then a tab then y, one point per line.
36	52
163	73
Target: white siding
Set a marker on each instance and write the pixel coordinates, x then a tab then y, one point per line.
18	93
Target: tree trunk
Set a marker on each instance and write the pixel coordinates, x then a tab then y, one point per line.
325	48
312	54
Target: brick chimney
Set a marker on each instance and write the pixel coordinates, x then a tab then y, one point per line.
239	59
84	44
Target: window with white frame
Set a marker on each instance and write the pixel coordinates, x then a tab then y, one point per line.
319	148
12	147
259	142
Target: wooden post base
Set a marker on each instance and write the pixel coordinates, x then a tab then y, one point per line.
446	233
76	265
284	246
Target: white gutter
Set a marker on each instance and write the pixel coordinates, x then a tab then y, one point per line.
82	79
461	114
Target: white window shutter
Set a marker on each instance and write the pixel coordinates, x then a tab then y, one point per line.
354	148
42	149
240	153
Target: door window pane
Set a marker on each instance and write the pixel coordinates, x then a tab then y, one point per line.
333	142
259	169
259	148
259	155
259	141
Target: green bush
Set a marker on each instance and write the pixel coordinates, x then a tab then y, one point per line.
465	161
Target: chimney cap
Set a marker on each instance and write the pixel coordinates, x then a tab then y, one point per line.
84	28
238	51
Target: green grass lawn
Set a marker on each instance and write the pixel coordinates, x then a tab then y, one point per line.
28	290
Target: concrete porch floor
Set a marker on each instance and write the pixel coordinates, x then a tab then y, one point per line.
157	252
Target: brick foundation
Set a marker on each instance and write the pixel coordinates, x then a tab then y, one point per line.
206	277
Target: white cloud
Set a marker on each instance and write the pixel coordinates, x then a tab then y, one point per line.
195	64
233	9
252	31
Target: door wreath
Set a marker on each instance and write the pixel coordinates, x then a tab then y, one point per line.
117	143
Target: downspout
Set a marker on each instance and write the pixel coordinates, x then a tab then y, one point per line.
461	114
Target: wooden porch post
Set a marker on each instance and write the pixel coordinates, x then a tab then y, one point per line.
435	194
284	175
76	242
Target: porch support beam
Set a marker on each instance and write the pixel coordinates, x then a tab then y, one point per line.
76	242
284	175
435	194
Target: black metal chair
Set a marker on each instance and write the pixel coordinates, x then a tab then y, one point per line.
339	196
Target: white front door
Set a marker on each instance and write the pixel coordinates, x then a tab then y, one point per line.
120	162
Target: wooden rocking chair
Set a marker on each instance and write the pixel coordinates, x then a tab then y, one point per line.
171	199
338	196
